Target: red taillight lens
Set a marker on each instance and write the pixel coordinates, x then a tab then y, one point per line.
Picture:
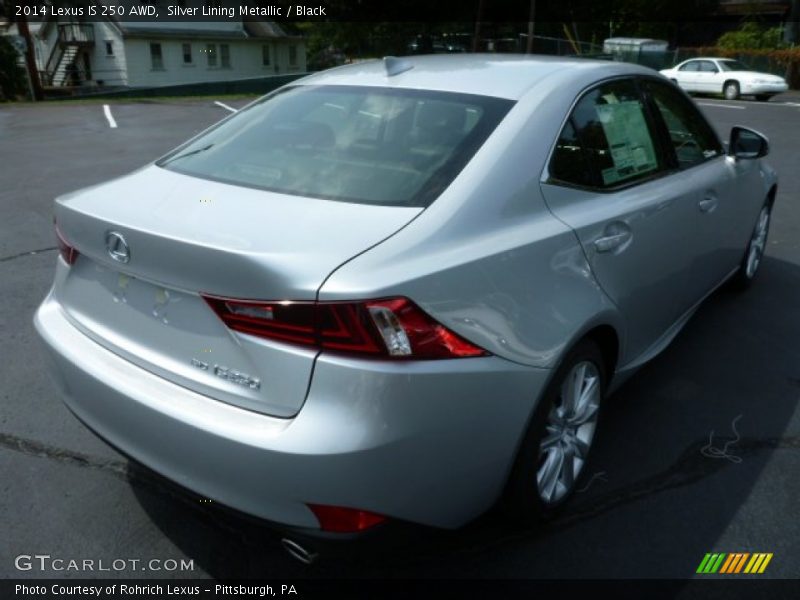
285	321
392	328
347	327
68	253
404	326
344	520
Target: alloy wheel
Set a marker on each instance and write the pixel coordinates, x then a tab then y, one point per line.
569	432
758	243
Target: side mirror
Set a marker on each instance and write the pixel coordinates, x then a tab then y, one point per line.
746	143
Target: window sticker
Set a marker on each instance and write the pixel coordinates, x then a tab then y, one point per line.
628	138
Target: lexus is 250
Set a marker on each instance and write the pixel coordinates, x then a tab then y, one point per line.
400	290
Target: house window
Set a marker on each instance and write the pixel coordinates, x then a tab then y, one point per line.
211	55
225	56
109	48
265	55
156	60
187	54
292	55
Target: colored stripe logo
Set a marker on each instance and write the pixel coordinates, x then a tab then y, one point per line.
734	562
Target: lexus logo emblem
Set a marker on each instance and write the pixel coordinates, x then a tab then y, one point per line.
117	247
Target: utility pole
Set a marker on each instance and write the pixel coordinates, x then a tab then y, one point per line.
531	19
30	57
477	35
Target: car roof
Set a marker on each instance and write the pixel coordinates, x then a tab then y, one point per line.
501	75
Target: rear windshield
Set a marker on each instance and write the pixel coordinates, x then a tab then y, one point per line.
384	146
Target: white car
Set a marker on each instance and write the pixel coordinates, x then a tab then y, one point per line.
725	76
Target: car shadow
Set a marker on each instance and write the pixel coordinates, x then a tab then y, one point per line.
682	446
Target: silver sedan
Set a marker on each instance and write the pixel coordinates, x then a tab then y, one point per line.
399	290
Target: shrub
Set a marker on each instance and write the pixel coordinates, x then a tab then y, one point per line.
12	76
752	36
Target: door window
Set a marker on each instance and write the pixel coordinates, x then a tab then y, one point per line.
569	161
693	139
690	66
611	124
706	66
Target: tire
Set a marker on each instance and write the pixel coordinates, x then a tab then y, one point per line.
731	90
537	487
753	254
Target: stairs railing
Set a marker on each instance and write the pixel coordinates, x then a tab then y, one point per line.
72	37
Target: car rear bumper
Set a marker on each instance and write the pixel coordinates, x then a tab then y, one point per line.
428	442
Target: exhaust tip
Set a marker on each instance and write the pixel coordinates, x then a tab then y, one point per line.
298	551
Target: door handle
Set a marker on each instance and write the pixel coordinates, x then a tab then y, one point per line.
708	204
611	242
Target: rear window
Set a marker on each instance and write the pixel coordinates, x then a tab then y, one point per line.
369	145
732	65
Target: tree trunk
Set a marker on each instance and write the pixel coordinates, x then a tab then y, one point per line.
791	33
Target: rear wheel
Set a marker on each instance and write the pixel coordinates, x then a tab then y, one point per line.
731	90
755	250
553	456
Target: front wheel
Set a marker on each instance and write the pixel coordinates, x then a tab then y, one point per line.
731	90
553	456
755	250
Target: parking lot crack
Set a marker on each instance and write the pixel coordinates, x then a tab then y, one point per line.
28	253
70	457
127	471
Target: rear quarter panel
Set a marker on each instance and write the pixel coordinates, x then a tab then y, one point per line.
487	259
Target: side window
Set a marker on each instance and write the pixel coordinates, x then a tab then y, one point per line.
569	164
692	137
690	66
614	130
706	66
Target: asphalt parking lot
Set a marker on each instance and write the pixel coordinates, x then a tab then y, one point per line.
658	499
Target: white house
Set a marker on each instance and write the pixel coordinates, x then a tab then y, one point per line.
114	51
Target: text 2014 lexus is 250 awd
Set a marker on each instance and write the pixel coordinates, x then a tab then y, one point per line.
399	290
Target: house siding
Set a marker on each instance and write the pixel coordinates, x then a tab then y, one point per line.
245	61
110	70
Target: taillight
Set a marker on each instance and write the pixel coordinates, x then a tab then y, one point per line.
68	253
344	520
390	328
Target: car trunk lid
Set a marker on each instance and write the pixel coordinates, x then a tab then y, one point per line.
184	237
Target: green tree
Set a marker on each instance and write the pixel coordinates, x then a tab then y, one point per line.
752	36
